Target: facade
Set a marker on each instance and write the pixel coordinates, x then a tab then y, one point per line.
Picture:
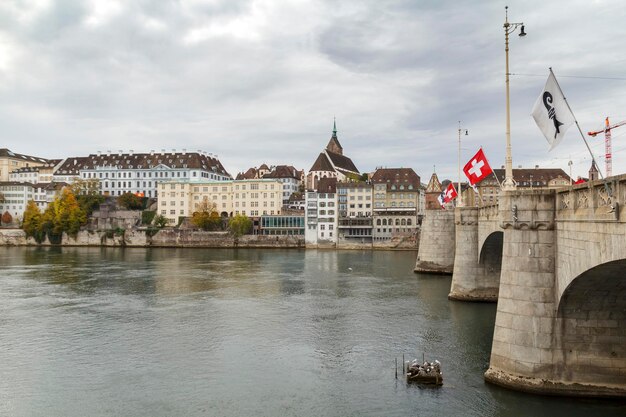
331	163
252	198
16	196
529	178
281	225
355	205
141	173
396	201
288	176
321	213
11	161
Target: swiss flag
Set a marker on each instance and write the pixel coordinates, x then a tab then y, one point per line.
447	195
477	168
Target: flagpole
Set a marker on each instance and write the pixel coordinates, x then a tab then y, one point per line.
593	158
576	121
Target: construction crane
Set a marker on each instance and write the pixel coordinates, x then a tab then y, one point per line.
608	154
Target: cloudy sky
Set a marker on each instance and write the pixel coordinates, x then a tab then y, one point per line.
259	81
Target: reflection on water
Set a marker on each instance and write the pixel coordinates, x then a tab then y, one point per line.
230	332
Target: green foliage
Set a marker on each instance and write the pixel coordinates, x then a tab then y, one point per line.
364	177
89	202
240	225
207	217
130	201
161	221
147	216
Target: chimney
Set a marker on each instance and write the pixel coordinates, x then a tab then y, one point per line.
131	152
536	166
162	151
151	152
184	151
99	153
108	152
174	151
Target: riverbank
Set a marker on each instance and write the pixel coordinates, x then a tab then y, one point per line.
187	238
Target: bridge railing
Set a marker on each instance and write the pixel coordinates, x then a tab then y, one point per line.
489	212
593	201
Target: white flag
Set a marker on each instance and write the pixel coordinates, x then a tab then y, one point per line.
551	112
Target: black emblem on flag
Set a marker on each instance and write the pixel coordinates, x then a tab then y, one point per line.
547	101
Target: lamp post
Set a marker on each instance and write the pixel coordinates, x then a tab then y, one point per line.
459	183
570	163
509	183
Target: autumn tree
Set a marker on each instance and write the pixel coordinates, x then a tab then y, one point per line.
33	222
7	218
240	225
206	217
64	214
130	201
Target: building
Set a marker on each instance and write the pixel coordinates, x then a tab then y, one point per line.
35	174
11	161
252	198
15	197
331	163
140	173
281	225
433	190
321	213
529	178
288	176
396	200
355	205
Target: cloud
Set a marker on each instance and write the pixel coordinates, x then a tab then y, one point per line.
260	81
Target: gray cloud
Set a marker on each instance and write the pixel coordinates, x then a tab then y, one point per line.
260	81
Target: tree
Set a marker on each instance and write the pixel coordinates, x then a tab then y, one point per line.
207	217
7	218
82	186
161	221
87	192
64	214
33	222
130	201
240	225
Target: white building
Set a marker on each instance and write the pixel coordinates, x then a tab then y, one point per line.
16	196
321	213
140	173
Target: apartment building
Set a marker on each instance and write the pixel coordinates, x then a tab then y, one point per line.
321	213
397	193
252	198
141	173
11	161
355	203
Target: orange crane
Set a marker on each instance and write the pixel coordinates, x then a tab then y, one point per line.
608	154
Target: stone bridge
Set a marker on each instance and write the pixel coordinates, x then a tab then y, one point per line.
555	261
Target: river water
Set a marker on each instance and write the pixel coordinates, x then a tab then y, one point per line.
206	332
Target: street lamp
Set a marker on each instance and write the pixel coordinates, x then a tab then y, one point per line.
570	163
509	183
459	183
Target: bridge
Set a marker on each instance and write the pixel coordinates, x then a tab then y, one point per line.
555	262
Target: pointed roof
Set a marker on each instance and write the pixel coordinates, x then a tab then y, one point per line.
434	185
327	185
322	163
333	143
342	162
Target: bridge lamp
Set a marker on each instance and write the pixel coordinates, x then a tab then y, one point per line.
509	183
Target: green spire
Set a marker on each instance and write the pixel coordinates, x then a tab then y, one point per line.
334	127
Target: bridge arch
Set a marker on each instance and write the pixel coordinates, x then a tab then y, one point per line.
591	327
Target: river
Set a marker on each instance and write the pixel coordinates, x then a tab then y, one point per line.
234	332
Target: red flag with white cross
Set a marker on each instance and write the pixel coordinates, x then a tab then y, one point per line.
447	195
477	169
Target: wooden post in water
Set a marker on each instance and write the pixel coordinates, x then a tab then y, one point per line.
396	368
403	365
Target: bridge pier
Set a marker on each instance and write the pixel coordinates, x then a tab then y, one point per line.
476	273
560	327
436	248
